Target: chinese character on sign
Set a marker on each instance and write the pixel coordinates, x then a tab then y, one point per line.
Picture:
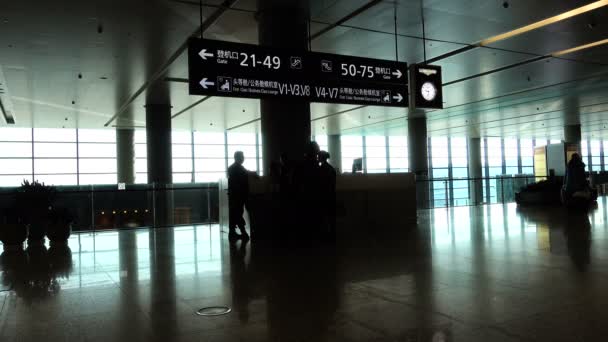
257	83
226	54
275	84
244	82
220	54
378	70
235	55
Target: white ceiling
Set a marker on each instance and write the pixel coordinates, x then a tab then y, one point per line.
44	47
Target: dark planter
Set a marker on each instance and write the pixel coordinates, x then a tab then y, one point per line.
14	266
37	232
59	232
13	235
60	257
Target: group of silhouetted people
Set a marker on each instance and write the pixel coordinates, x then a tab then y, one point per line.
306	194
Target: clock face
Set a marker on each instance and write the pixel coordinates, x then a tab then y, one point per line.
429	92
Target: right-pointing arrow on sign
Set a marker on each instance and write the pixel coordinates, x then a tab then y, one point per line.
398	73
204	54
399	98
205	84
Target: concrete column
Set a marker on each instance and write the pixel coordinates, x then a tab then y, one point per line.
418	146
335	150
125	155
285	124
160	170
419	158
475	170
158	141
572	134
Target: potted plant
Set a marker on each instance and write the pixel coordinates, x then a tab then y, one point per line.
13	231
14	265
60	226
34	201
60	258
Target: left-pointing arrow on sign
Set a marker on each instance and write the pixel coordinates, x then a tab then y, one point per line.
399	98
206	83
398	73
204	54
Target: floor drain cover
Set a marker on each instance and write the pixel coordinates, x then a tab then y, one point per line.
214	311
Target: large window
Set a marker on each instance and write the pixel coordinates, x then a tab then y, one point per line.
459	164
527	156
440	170
141	157
15	156
449	166
210	157
352	148
57	156
375	154
181	152
398	154
595	162
97	156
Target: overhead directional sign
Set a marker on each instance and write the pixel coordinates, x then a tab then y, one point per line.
218	68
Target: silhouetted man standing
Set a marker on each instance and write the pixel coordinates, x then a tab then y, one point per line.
238	193
327	180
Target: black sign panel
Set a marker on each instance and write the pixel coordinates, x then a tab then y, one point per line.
427	86
218	68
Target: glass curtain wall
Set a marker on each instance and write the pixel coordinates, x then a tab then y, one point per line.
57	156
88	156
448	165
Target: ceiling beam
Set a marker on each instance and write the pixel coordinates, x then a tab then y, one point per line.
346	18
165	66
190	107
506	67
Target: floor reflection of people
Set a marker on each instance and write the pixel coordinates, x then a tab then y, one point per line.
302	294
239	277
578	236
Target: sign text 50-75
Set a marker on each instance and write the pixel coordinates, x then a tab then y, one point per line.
354	71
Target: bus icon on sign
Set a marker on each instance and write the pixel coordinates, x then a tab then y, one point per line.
224	84
326	66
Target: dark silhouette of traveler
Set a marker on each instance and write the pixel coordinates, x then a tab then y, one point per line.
327	187
358	165
238	193
575	182
306	185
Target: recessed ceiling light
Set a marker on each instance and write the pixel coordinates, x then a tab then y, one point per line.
545	22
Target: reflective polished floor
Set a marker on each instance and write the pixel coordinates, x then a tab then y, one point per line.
490	273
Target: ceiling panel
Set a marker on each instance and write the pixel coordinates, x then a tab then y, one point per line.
44	48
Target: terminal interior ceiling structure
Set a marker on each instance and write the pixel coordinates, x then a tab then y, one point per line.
77	64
